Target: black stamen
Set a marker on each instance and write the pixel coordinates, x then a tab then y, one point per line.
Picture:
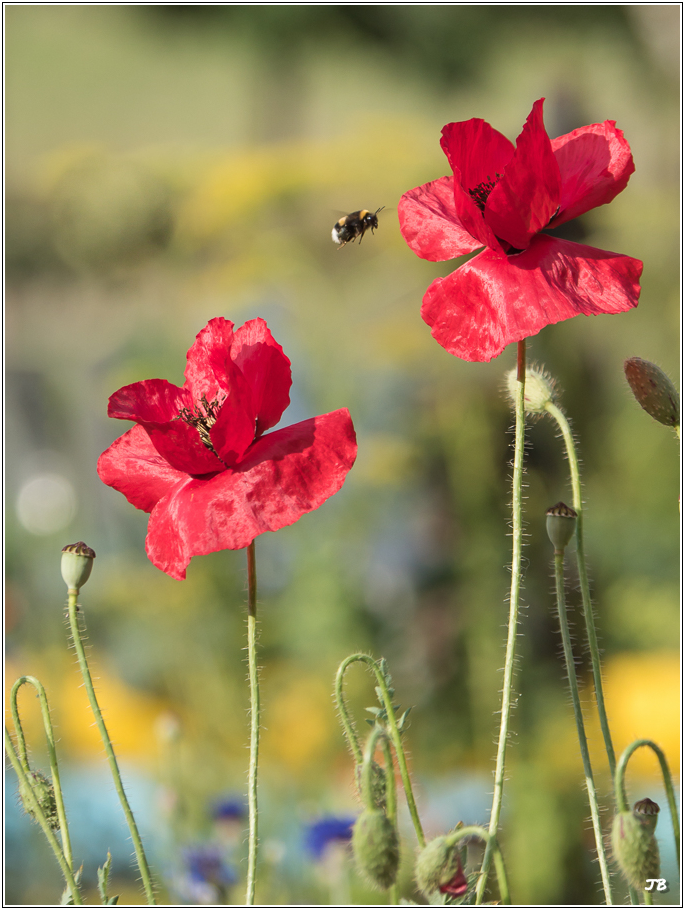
480	193
203	417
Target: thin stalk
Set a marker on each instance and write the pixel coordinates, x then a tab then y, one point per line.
510	654
648	898
52	755
620	789
477	831
580	726
393	731
109	751
588	612
390	808
253	837
42	820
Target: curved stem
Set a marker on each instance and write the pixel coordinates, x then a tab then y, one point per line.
620	790
588	613
253	838
41	819
580	726
345	719
510	654
393	732
109	751
477	831
52	754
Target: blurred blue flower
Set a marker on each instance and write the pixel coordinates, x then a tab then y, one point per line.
207	875
228	809
320	834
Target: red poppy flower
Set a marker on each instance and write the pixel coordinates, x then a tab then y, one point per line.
457	885
198	461
501	197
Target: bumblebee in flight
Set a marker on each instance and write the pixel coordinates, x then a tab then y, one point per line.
349	227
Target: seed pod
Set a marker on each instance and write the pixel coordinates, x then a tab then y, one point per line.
653	390
634	845
77	563
561	525
377	784
44	792
439	868
376	848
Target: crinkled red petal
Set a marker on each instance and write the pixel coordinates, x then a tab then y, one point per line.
156	405
134	467
429	222
477	153
458	885
267	370
234	430
493	300
527	196
595	163
285	474
209	365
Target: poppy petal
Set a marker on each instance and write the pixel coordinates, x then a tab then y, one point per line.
527	196
429	222
262	362
478	154
286	474
595	163
134	467
209	367
157	405
493	300
234	429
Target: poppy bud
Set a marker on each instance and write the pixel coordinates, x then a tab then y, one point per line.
377	795
540	389
439	868
44	792
634	844
653	390
77	563
376	848
561	525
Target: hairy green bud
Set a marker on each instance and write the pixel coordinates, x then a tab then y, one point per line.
378	784
653	390
44	793
540	389
634	845
439	868
376	848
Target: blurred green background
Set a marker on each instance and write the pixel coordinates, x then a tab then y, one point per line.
168	164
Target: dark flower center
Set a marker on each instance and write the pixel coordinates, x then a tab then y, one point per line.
480	193
203	417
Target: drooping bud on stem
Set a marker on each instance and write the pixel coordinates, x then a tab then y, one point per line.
561	525
377	785
653	390
376	848
77	564
44	793
540	389
635	847
439	868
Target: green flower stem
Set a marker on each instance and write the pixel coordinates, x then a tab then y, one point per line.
477	831
109	751
253	839
588	613
510	654
52	755
42	821
394	733
620	789
390	790
580	726
648	898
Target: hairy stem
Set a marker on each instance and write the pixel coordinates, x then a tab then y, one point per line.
510	654
52	754
580	726
109	751
253	838
42	820
393	732
588	612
